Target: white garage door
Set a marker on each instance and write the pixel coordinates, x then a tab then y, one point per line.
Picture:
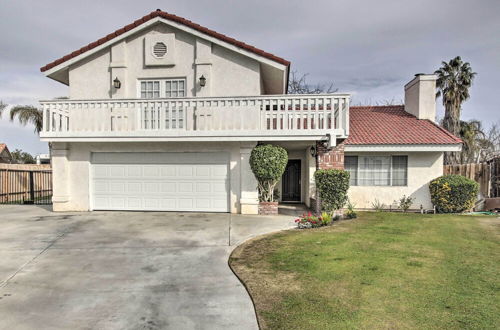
160	181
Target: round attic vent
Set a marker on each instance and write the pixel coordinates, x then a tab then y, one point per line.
159	49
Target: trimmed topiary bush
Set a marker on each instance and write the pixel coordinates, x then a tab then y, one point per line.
268	164
332	186
453	193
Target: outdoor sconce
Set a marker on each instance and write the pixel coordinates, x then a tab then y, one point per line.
313	151
203	81
117	83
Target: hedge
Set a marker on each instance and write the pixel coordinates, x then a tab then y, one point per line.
332	186
453	193
268	163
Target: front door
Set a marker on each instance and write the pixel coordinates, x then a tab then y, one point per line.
291	182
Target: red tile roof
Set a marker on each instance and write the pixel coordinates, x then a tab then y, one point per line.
393	125
177	19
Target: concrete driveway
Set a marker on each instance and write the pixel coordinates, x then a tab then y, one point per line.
124	270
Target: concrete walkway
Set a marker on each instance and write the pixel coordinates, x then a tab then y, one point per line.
124	270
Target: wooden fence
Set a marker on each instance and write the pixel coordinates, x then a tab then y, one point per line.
486	174
25	184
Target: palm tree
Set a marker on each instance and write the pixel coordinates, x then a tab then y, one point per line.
454	80
474	138
26	114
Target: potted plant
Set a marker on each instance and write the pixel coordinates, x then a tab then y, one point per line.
268	163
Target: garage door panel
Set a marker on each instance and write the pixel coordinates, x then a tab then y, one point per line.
168	187
100	171
161	187
134	203
117	171
185	187
203	171
185	171
185	203
168	171
203	187
134	187
219	171
151	187
152	171
117	202
134	171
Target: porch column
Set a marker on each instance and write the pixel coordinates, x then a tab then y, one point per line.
60	176
249	197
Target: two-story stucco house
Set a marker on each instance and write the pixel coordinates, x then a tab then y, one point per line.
163	114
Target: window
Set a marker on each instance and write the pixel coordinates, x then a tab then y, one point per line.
399	170
377	170
174	88
152	89
351	166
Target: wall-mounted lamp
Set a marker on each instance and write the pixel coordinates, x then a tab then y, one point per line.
313	151
117	83
203	81
327	142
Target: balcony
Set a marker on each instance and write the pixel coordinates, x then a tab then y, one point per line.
264	118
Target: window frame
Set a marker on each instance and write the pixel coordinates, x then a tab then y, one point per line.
390	170
163	89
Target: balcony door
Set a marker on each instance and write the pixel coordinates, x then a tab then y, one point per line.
291	181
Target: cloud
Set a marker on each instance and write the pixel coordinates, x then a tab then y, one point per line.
370	48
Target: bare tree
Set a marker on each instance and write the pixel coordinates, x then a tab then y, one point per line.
491	145
384	102
297	84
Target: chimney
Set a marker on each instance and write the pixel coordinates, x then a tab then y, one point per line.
420	96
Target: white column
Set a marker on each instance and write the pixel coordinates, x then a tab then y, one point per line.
203	67
60	176
118	69
249	197
310	184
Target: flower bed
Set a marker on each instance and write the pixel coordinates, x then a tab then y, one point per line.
310	220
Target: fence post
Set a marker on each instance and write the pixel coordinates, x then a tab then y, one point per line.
32	188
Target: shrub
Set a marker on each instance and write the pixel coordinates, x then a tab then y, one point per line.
404	203
268	163
453	193
377	205
326	218
332	186
350	213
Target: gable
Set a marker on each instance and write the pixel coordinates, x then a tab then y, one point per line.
271	65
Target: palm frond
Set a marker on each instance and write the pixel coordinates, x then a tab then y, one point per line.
28	115
3	106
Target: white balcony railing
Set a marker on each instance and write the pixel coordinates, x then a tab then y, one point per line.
277	116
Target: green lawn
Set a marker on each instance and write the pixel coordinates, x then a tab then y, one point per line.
380	271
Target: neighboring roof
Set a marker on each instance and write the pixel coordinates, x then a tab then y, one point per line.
393	125
177	19
3	147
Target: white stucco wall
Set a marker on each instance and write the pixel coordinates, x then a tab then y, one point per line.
420	97
228	73
422	168
72	161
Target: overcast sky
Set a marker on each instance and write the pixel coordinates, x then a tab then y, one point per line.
368	48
